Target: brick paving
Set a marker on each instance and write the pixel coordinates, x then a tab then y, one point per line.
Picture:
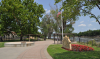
38	51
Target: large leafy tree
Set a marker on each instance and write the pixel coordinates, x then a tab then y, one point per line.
21	15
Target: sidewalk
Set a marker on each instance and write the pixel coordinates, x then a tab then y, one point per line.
37	51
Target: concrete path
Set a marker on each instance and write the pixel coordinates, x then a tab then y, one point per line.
37	51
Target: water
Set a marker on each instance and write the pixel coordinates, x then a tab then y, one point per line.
85	39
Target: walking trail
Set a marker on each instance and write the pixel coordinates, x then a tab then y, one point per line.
37	51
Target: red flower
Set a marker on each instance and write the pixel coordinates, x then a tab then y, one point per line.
76	47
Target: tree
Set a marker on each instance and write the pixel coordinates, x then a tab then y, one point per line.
21	15
89	33
67	22
57	21
81	7
47	26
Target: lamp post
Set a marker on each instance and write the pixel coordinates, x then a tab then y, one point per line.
62	20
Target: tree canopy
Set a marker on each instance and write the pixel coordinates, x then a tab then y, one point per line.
21	15
80	7
88	33
47	25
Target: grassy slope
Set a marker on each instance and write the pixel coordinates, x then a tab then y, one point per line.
58	53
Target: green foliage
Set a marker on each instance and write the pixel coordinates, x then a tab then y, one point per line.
57	20
47	25
69	13
21	15
89	33
92	41
75	8
66	20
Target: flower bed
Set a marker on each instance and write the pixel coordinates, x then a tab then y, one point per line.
76	47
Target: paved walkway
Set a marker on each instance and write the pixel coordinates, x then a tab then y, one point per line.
37	51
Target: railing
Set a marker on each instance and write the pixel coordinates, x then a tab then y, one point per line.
90	42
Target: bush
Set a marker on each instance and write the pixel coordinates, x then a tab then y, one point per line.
90	42
94	42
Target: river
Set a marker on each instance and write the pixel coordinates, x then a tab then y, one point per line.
84	39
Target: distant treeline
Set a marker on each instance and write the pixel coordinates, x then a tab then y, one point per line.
88	33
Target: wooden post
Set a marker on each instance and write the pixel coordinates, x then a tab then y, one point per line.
61	39
57	38
84	42
73	38
64	35
79	39
54	38
87	42
92	42
29	37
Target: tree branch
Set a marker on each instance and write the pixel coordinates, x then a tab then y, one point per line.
92	15
15	17
98	6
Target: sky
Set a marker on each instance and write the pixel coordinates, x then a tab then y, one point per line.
84	23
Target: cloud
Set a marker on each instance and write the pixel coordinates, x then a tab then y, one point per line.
90	25
45	9
93	21
94	28
82	25
48	11
81	21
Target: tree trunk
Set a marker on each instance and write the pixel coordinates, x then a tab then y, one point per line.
1	39
21	37
49	36
44	37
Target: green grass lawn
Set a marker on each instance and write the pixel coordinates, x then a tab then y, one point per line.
1	44
58	53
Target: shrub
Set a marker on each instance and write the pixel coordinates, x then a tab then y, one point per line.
90	42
